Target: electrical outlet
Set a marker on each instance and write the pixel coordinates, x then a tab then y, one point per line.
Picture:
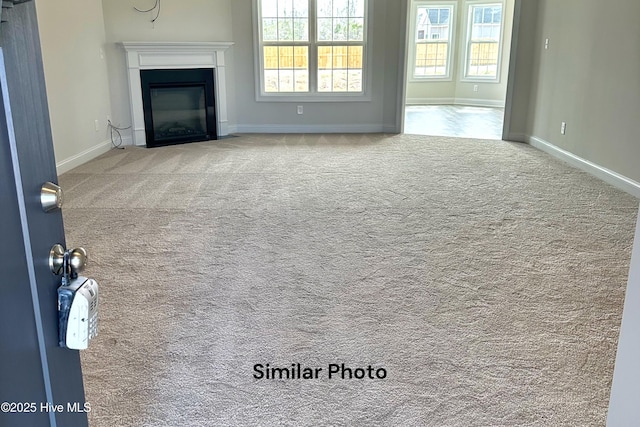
563	128
546	44
109	119
300	109
97	125
475	88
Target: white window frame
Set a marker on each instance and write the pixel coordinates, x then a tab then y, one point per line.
313	95
467	41
452	39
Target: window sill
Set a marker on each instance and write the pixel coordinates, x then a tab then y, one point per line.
330	97
430	79
480	79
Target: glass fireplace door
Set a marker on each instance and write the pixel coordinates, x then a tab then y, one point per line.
178	112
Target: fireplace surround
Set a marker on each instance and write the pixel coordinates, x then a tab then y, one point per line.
142	56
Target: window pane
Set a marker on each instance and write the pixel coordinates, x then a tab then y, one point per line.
340	28
269	8
285	29
270	57
325	60
340	56
325	64
495	32
340	8
325	29
475	32
355	81
340	80
285	8
356	8
421	55
444	16
477	15
421	23
301	29
302	80
286	81
269	29
355	57
324	81
356	29
271	80
497	15
325	8
300	8
285	57
301	57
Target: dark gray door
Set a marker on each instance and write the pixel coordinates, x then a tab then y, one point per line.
40	383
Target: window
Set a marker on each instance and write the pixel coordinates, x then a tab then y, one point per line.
483	41
311	47
432	40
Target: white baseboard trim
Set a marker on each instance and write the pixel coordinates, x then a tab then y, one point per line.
456	101
430	101
619	181
83	157
479	102
366	128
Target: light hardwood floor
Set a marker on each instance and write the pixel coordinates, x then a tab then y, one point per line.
454	120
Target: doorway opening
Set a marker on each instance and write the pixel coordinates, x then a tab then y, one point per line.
458	63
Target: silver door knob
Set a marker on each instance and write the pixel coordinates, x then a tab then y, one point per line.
51	197
77	259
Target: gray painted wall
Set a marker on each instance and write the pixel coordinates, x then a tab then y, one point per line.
76	78
371	116
588	78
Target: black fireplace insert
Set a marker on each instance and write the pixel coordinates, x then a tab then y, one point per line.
179	106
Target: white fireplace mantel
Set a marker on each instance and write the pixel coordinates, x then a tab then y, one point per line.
168	55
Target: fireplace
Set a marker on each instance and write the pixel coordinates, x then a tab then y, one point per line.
173	56
178	105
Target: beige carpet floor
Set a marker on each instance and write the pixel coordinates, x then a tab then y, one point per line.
486	278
